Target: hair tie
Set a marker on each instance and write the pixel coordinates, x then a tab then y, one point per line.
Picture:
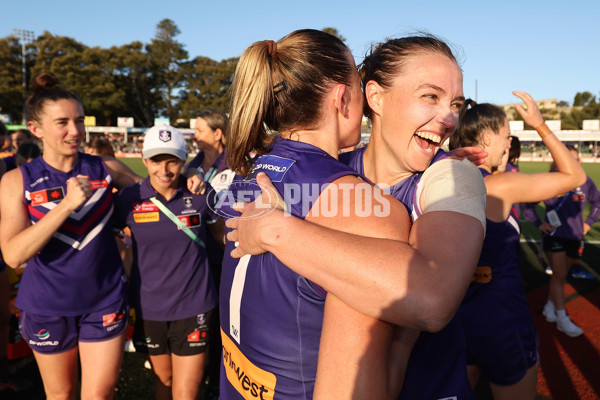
272	47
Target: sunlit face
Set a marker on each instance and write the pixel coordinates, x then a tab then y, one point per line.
500	144
420	110
164	171
205	136
61	127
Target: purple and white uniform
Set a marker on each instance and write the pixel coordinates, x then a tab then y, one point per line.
79	271
437	368
170	278
501	336
570	210
271	317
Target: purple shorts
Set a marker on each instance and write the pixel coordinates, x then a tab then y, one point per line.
504	357
50	334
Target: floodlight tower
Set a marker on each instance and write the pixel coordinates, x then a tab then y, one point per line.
26	37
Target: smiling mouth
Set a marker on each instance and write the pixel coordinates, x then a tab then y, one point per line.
428	141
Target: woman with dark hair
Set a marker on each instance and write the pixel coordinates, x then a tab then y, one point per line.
27	152
501	336
99	146
57	217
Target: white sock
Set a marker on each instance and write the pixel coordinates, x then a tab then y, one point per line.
550	302
561	314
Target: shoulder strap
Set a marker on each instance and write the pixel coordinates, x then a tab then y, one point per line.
177	221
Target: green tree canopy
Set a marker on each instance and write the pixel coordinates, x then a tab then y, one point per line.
334	32
166	56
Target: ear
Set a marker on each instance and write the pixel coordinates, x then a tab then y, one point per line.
342	99
373	94
487	138
35	129
218	134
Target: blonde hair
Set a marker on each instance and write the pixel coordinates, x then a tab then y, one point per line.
280	87
216	119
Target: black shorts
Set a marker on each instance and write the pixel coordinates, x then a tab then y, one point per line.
184	337
573	248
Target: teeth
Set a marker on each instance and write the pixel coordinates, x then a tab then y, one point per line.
429	136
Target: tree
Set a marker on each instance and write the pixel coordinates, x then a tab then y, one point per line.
334	32
11	78
585	106
50	51
132	70
208	85
583	99
166	57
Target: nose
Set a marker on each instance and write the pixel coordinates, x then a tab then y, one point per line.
164	169
448	117
74	128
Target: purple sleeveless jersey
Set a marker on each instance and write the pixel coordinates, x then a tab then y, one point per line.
500	253
437	368
80	269
501	335
271	317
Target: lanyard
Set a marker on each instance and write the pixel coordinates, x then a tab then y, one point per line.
562	202
210	174
177	221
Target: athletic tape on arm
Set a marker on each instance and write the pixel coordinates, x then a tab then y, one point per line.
453	185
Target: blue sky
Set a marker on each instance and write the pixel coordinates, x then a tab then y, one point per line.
548	48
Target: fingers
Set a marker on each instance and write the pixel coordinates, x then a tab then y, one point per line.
196	185
233	236
82	182
232	223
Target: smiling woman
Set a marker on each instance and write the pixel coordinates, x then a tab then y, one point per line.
56	216
413	94
172	285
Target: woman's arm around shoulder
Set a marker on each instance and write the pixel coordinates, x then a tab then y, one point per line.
365	342
121	174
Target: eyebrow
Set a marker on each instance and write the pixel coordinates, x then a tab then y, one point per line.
62	119
439	89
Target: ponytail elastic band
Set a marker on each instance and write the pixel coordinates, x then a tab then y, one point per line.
272	46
